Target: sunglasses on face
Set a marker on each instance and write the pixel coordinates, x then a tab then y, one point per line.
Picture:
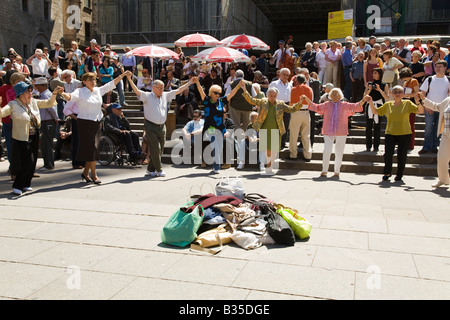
217	93
397	92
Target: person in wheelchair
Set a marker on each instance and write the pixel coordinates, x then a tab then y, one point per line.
117	127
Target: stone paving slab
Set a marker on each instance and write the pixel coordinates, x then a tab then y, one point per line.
370	240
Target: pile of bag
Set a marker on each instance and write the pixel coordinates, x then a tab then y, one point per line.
209	221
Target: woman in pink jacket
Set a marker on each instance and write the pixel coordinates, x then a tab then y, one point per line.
335	126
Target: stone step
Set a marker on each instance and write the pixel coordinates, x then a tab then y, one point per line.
347	166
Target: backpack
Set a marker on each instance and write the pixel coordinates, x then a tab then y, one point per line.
430	78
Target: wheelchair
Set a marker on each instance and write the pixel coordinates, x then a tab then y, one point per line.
112	150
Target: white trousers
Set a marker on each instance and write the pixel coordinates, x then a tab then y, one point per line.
339	152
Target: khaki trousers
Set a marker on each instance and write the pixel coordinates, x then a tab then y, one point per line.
444	159
300	124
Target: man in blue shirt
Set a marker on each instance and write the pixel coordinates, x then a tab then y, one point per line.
357	76
129	64
347	59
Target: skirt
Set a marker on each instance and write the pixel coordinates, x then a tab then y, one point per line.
89	138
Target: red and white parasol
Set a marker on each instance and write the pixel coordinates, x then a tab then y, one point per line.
244	42
220	54
154	52
197	40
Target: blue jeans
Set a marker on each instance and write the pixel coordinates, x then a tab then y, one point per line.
431	141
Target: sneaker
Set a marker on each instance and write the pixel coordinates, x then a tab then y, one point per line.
240	166
27	189
398	178
423	151
262	167
215	171
386	177
269	172
161	173
17	192
324	174
151	174
226	166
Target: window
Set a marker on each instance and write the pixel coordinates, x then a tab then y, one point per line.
440	9
87	30
25	5
47	9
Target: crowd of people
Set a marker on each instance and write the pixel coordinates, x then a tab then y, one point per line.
274	99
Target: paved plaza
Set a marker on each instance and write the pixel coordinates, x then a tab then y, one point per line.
370	239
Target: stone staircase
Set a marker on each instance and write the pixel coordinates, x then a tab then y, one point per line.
356	158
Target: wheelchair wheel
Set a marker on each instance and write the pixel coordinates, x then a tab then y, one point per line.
106	151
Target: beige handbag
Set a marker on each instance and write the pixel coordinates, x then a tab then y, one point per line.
217	236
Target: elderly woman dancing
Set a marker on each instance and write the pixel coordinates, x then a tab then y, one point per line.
89	101
270	120
398	130
335	126
24	111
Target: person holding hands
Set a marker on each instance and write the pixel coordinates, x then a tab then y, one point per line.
443	156
335	126
398	130
89	101
24	112
270	123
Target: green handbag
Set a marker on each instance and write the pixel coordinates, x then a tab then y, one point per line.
300	226
181	228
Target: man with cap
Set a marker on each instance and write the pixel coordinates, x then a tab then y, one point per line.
93	46
7	65
118	128
49	120
24	111
59	54
279	54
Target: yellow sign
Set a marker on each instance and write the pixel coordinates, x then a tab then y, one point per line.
340	24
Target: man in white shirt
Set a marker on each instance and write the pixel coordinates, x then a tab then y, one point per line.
156	104
40	63
279	54
436	89
284	87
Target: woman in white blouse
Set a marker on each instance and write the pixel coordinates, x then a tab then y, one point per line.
89	101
